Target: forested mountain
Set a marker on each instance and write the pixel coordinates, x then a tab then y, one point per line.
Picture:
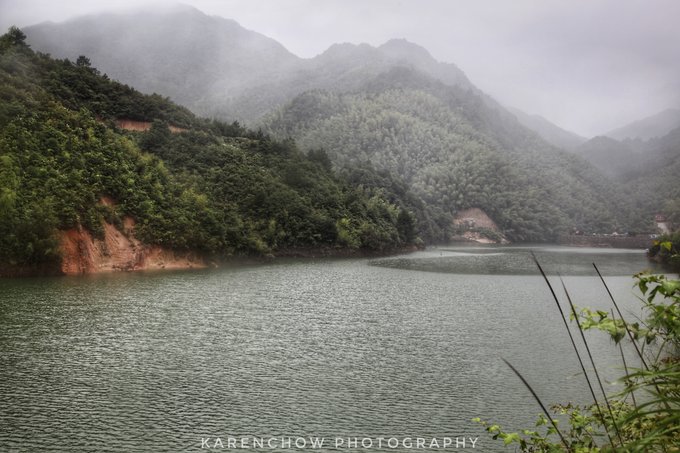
613	157
665	168
548	131
655	178
655	126
648	169
214	188
341	68
456	150
421	132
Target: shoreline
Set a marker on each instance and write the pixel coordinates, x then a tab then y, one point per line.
312	253
301	252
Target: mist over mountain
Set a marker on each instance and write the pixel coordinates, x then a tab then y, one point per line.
647	169
216	67
641	146
613	157
548	131
626	159
177	51
656	178
654	126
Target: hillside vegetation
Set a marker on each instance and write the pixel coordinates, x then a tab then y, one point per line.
656	179
217	189
456	151
417	127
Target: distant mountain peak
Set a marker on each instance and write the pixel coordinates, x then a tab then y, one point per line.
157	8
402	48
348	49
176	50
603	139
654	126
174	7
398	50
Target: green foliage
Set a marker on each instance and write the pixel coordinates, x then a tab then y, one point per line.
285	198
653	182
217	189
13	38
649	424
55	166
672	210
431	223
454	151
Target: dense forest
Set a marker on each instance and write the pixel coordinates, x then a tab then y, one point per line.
216	188
456	150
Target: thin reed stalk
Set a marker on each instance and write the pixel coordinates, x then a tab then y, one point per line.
625	366
625	325
592	361
573	343
540	403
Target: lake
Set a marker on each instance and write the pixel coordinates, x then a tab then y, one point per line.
397	347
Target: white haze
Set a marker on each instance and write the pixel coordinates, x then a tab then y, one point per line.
587	65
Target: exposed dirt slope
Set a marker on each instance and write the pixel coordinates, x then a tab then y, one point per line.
475	225
141	126
118	251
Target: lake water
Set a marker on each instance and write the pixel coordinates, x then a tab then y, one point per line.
396	347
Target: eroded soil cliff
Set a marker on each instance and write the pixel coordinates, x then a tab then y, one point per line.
117	251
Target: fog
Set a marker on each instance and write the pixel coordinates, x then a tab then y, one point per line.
588	66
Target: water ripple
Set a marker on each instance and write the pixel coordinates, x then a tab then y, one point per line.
139	362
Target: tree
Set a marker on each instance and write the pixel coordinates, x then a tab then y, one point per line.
156	137
321	157
83	61
13	37
406	226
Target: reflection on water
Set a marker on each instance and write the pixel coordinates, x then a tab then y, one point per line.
156	361
518	261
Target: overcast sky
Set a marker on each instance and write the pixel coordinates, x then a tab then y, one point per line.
587	65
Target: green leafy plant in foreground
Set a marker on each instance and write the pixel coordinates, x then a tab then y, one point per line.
645	415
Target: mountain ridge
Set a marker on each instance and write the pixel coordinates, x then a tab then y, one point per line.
654	126
124	56
549	131
235	74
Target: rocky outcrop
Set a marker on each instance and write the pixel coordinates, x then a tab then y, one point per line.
117	251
